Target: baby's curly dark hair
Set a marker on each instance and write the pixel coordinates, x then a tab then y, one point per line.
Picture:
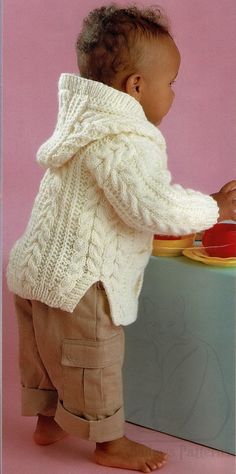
110	40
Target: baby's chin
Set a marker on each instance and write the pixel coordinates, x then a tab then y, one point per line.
156	122
152	120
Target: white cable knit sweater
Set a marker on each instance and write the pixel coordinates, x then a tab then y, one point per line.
106	191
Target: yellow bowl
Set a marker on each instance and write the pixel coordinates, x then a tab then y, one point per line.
172	248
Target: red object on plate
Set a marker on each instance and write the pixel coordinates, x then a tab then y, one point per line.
220	240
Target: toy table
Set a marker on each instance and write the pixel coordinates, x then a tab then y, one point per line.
179	370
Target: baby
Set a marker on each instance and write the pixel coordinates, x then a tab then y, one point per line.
77	271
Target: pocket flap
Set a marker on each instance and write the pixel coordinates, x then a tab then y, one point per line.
92	354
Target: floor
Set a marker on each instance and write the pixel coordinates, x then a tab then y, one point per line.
74	456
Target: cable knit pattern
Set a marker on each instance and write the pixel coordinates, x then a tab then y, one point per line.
105	192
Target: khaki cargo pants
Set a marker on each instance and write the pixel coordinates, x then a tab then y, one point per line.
71	365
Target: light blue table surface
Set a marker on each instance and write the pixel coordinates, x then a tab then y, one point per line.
179	370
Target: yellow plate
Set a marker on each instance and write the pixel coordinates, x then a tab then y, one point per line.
200	255
172	248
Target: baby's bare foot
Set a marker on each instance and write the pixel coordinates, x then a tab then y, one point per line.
127	454
47	431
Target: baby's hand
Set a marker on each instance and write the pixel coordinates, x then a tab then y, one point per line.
226	200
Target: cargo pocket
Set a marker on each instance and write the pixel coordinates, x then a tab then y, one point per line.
92	376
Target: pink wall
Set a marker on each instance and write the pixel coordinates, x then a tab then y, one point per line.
38	44
39	39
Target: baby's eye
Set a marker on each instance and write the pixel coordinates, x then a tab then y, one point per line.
172	82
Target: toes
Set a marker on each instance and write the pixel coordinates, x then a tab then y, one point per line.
164	455
152	466
157	465
146	469
161	464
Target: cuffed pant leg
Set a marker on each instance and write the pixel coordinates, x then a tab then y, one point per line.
38	402
92	403
106	429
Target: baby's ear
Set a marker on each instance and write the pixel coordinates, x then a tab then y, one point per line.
133	86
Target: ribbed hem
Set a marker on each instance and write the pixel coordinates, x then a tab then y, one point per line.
119	314
69	302
66	302
97	91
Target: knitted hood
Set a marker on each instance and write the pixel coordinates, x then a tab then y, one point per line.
89	111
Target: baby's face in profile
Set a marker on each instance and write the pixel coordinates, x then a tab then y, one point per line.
151	83
158	74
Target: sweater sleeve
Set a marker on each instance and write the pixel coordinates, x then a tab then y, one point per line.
132	172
